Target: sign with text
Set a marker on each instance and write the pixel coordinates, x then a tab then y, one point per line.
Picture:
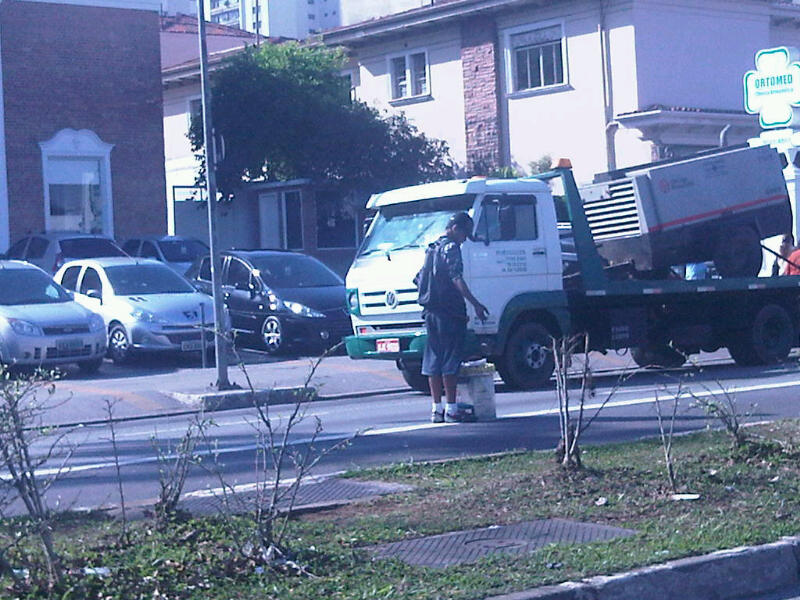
772	90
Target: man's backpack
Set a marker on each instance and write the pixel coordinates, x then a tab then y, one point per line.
424	278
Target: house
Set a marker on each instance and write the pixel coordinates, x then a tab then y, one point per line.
296	215
81	129
607	83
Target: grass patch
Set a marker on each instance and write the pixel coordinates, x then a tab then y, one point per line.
748	498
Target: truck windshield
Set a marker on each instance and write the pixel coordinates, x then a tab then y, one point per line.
412	224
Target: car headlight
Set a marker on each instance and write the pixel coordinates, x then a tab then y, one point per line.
140	314
25	327
96	323
302	310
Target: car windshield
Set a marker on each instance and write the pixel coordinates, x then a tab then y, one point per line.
29	286
412	224
140	280
294	271
182	250
89	248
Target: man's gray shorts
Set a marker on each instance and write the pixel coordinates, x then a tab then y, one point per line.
444	348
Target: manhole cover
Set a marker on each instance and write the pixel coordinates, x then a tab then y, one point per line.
469	546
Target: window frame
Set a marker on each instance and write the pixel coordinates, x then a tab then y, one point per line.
84	144
510	59
409	97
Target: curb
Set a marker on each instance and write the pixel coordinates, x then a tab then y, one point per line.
741	572
230	399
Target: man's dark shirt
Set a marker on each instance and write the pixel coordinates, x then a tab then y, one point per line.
437	292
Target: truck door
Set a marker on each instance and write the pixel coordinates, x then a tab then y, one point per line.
508	256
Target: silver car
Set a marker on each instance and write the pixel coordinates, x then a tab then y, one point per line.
41	325
174	251
146	306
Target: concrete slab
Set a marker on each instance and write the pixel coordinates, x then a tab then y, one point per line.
211	400
470	546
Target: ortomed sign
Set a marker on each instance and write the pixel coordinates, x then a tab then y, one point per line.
772	90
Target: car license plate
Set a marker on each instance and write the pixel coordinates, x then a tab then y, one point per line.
388	345
69	344
191	346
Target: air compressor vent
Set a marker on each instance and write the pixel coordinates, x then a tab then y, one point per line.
614	214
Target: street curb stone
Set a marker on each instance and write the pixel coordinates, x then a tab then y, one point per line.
230	399
724	575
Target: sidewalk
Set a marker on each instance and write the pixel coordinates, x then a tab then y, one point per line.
151	389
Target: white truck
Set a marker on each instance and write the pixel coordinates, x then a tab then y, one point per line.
535	289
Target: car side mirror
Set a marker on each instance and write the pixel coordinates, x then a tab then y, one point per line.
96	294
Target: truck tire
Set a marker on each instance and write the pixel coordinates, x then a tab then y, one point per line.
412	374
657	357
527	362
767	341
738	253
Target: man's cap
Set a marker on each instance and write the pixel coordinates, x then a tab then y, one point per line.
464	222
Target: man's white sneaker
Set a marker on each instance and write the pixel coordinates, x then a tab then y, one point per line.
437	417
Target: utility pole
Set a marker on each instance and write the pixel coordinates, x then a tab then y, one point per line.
258	23
221	337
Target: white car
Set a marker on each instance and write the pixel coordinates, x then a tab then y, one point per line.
146	306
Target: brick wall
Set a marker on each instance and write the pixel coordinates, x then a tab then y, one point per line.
479	59
80	67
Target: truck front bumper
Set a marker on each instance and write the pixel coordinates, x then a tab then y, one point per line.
412	346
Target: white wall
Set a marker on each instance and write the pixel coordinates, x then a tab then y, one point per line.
441	116
569	120
180	164
355	11
696	53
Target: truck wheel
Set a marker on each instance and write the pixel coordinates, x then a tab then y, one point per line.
412	374
738	253
528	360
769	339
657	356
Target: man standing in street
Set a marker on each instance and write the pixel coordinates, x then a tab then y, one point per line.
442	292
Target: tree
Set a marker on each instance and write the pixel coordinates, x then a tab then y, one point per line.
284	111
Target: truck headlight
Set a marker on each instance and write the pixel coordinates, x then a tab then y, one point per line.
352	301
25	327
96	323
302	310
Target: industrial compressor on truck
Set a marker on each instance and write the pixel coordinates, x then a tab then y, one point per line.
549	260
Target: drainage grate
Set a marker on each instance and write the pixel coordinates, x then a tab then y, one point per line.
470	546
321	493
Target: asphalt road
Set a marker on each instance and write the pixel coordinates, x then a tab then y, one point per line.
395	428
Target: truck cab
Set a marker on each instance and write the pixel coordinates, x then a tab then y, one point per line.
516	251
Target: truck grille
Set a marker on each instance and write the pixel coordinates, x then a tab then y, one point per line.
614	214
376	300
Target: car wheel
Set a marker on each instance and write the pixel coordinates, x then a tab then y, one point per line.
119	347
90	367
272	335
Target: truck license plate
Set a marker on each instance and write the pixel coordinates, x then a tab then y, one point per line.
73	344
388	345
192	346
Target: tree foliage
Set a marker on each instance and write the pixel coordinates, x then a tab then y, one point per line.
284	111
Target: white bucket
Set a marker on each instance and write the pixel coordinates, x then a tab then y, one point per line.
476	387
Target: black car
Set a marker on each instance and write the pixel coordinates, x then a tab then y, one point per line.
282	298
